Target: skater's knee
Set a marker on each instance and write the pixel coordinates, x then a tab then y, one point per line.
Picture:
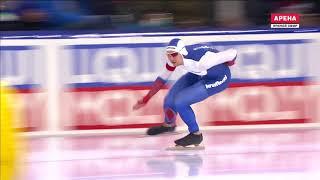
179	103
168	103
170	115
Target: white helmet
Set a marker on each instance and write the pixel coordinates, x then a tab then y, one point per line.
176	45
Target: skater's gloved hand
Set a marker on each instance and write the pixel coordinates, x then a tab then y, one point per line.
156	86
232	62
140	103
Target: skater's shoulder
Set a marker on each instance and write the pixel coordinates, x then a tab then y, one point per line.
199	47
196	51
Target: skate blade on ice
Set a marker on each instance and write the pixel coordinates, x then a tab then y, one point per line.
159	135
182	148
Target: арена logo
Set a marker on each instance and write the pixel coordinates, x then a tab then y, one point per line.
284	20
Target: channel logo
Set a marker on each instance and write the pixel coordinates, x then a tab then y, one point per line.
284	20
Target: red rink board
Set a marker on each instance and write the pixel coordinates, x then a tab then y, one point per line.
112	109
236	106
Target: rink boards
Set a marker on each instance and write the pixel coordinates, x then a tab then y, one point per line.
91	81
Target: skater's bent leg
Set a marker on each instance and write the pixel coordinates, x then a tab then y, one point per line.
169	109
184	99
188	116
193	94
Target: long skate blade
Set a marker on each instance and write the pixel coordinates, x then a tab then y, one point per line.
159	135
188	148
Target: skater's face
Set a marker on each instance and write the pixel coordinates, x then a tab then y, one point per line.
175	58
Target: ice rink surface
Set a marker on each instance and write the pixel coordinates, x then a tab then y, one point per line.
256	155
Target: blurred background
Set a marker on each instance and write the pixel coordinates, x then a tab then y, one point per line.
68	112
149	15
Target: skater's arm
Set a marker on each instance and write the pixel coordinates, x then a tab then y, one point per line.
159	82
165	75
211	59
156	86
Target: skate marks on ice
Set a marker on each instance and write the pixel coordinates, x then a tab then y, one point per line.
186	148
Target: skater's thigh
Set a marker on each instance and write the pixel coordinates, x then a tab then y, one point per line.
182	83
190	95
214	86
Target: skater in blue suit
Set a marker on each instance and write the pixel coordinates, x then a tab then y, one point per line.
208	74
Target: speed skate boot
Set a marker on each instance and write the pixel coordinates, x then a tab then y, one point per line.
189	142
190	139
160	129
